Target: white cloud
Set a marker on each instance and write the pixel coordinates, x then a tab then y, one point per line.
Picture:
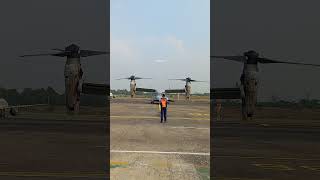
176	43
163	42
160	60
122	49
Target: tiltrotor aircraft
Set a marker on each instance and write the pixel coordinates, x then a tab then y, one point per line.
72	72
249	79
133	85
5	108
187	87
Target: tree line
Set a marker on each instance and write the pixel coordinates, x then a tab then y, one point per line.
44	96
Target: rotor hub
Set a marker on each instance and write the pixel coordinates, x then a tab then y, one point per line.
251	57
72	51
251	54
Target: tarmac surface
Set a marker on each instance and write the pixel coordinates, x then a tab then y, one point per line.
266	148
278	144
47	146
143	148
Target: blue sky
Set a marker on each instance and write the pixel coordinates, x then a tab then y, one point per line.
160	39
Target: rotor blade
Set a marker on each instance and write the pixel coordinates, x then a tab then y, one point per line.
265	61
57	49
232	58
198	81
122	78
48	54
178	79
141	78
86	53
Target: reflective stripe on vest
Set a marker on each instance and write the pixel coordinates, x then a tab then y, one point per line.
163	102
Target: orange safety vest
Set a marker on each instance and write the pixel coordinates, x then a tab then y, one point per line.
163	102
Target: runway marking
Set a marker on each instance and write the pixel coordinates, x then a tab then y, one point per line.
199	114
230	178
279	167
55	174
313	168
116	164
271	158
265	125
182	127
154	117
161	152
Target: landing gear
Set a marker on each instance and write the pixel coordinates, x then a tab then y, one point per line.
2	114
244	110
77	107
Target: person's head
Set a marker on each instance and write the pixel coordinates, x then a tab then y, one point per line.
163	95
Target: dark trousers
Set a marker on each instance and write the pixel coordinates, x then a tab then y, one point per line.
164	114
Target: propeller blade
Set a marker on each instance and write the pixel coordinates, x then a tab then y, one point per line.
141	78
48	54
266	61
178	79
122	78
57	49
86	53
198	81
232	58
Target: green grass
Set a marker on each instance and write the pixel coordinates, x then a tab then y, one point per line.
204	172
117	166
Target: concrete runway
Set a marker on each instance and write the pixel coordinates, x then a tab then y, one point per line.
265	149
47	147
279	144
143	148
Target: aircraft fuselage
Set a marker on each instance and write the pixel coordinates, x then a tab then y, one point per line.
249	83
72	75
188	90
133	88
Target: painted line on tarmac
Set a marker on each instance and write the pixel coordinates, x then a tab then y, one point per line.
182	127
161	152
278	167
54	174
234	178
153	117
272	158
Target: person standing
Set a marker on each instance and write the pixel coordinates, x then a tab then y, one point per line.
219	109
163	107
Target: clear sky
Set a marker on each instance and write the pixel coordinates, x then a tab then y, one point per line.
286	30
161	39
37	26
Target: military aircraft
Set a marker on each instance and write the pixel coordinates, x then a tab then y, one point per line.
187	87
73	73
155	99
13	110
249	80
133	85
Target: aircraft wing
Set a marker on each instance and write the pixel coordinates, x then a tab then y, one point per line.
25	106
96	89
225	93
145	90
175	91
